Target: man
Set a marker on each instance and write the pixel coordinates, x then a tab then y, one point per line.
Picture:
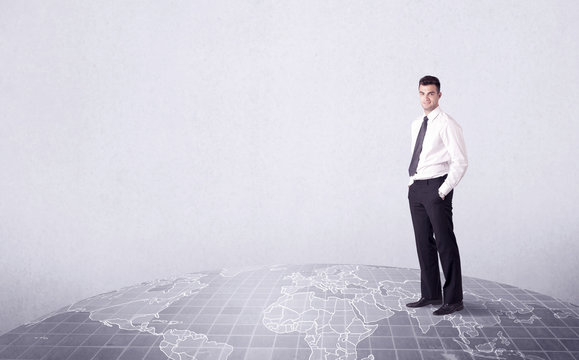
438	164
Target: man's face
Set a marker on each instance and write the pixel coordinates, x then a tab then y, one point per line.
429	96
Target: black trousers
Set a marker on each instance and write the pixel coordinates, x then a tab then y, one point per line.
434	234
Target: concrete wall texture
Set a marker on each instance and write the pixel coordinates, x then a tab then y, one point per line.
142	139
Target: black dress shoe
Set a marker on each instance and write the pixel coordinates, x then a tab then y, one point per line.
423	302
449	308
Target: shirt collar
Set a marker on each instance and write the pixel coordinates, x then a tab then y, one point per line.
434	113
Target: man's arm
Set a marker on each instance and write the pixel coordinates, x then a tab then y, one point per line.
453	139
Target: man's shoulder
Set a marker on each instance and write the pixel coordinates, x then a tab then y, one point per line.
445	119
417	122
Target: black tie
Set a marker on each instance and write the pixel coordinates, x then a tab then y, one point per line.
418	148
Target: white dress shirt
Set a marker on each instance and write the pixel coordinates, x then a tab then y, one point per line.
443	150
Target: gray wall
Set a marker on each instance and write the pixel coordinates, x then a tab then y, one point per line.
142	139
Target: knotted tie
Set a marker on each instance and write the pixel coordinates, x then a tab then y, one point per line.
418	148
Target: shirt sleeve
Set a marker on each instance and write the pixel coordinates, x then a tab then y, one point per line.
453	139
412	143
413	135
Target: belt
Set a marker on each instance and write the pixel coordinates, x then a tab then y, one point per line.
433	180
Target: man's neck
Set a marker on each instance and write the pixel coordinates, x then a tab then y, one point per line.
427	112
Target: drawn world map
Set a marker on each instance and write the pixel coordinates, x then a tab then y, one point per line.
313	312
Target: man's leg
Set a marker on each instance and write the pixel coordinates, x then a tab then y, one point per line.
440	214
425	244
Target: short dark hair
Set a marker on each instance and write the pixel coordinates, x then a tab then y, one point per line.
430	80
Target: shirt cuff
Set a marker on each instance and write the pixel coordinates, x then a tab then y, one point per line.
444	189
